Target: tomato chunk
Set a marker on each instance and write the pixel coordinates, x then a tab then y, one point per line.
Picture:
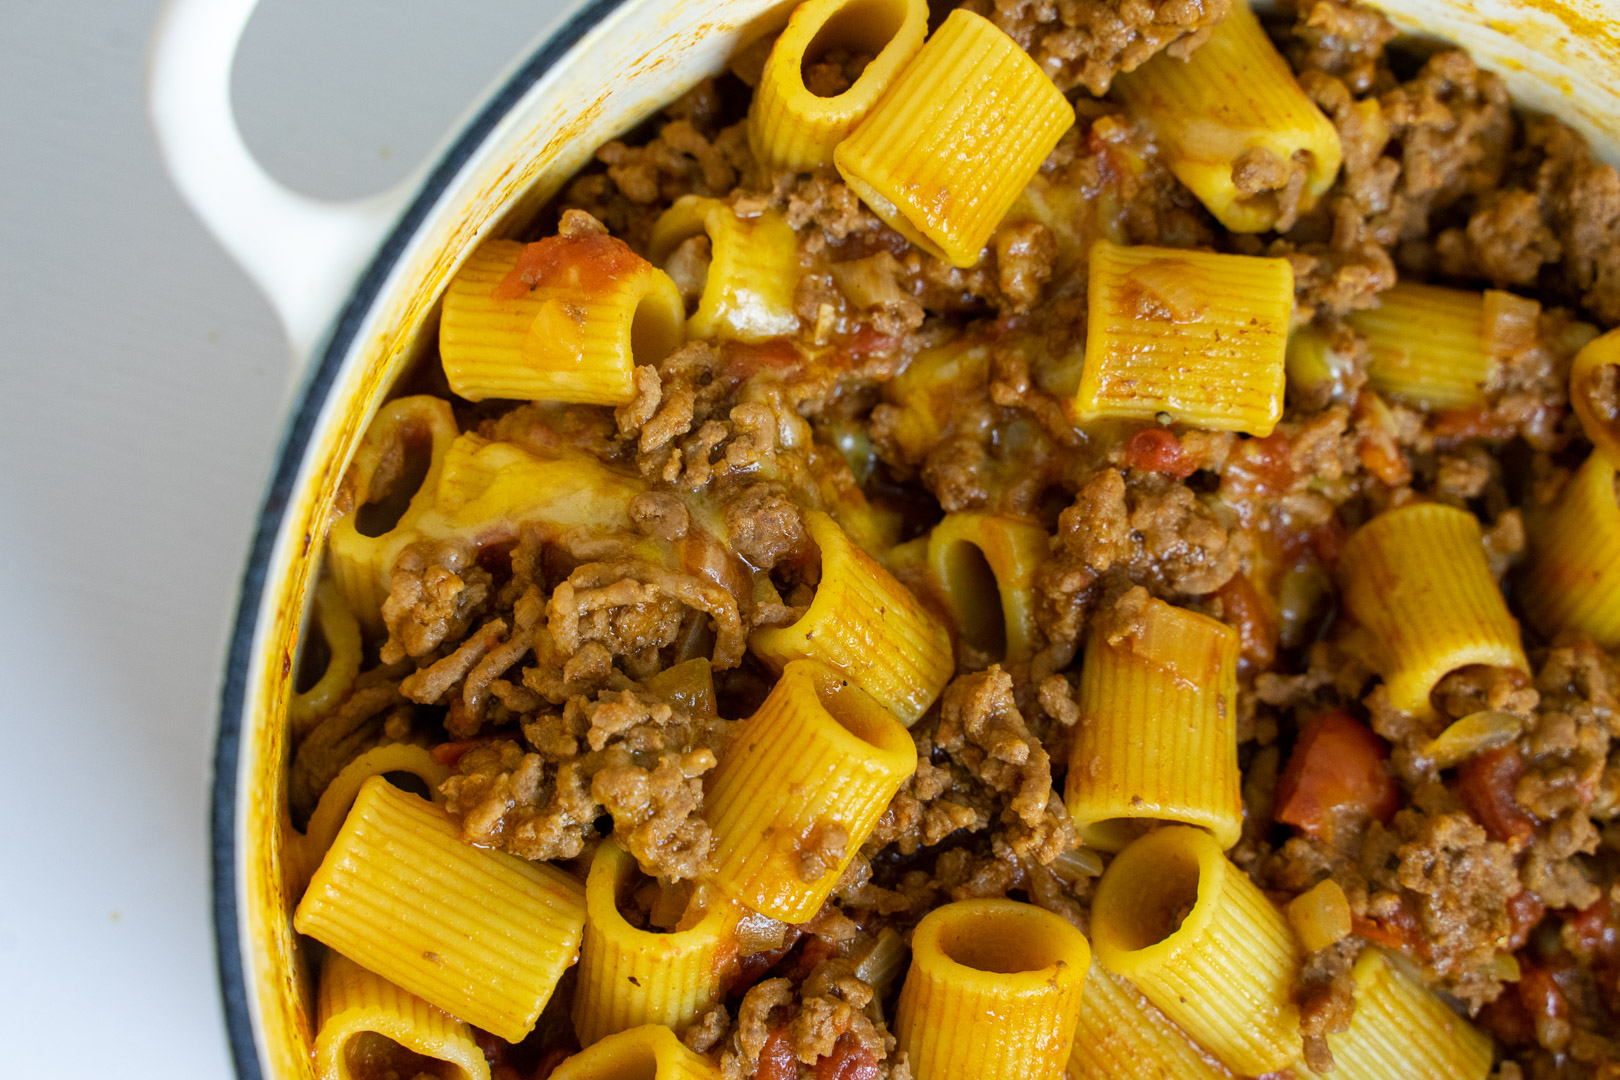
848	1061
1486	783
776	1058
1337	768
1249	613
1157	450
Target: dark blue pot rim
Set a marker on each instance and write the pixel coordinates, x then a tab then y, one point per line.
295	444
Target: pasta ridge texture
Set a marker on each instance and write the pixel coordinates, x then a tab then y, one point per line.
629	977
789	127
948	149
1157	736
1200	336
481	934
993	993
1399	1028
1416	581
867	625
353	1001
1225	972
1573	578
805	778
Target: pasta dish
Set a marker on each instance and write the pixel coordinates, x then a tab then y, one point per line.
1016	540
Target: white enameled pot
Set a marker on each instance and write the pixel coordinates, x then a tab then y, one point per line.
356	287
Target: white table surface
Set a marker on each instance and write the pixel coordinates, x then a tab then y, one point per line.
141	391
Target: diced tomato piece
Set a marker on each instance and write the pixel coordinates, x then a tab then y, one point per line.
1486	785
1508	1020
1250	614
1259	467
816	949
848	1061
1524	911
1157	450
1398	930
451	752
748	970
1476	422
1338	766
1540	993
744	360
1597	931
868	341
776	1058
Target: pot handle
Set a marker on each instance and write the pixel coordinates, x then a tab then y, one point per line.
304	254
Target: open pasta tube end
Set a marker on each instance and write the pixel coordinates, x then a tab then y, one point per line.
567	318
993	992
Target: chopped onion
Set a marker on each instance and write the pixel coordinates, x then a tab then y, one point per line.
1473	734
1510	322
1071	866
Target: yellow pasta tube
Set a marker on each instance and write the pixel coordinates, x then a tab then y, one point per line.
800	788
628	976
983	567
925	396
340	794
392	895
1236	127
1200	336
340	634
753	268
1573	578
405	443
791	126
1594	392
354	1002
1192	932
945	153
1427	346
867	625
993	992
564	319
486	489
650	1052
1399	1028
1157	736
1416	581
1121	1036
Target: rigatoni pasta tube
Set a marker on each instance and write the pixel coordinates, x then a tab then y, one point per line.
1594	392
1235	126
1157	735
945	153
340	639
1427	345
392	893
1200	336
628	976
650	1052
565	319
329	814
353	1002
993	992
800	788
792	127
753	268
1194	934
983	566
1416	582
1399	1028
867	625
1121	1036
1573	578
410	431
